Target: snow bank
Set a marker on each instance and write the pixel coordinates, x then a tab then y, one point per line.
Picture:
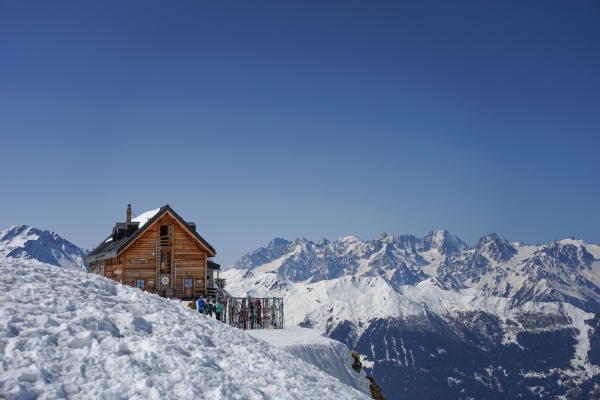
71	334
314	347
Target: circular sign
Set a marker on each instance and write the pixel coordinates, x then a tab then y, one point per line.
164	280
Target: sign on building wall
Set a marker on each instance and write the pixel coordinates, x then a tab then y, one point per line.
139	260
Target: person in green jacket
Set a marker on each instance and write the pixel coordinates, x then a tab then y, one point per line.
218	309
208	308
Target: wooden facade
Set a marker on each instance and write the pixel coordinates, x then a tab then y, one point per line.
164	256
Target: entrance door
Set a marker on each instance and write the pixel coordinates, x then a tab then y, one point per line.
188	287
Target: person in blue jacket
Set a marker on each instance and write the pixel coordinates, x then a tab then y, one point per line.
200	304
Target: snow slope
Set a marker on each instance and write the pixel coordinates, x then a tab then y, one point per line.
314	347
71	334
358	301
424	332
29	243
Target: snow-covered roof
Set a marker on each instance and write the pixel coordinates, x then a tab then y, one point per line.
110	248
145	217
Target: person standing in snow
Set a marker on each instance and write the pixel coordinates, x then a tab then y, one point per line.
218	309
200	304
208	308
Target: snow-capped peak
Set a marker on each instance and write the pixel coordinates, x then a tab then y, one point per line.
323	242
444	242
278	242
494	265
27	242
348	239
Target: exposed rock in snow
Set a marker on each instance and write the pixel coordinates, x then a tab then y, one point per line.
444	242
427	333
563	272
567	271
72	334
358	301
26	242
314	347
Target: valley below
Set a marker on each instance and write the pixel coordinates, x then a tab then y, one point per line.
434	317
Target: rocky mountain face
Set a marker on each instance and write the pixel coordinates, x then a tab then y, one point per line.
28	243
431	357
566	271
435	317
400	259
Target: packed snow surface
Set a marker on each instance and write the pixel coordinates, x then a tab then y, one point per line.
314	347
65	333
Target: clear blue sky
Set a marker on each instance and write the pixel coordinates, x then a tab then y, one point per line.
318	119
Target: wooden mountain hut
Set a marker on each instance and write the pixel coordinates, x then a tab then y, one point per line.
160	253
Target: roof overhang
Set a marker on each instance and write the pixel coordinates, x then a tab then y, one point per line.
99	257
213	265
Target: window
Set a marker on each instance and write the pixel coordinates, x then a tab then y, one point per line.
188	283
165	230
140	283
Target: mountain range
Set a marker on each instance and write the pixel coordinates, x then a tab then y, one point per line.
430	317
564	271
433	316
28	243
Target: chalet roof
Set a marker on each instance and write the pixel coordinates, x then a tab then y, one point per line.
213	265
110	247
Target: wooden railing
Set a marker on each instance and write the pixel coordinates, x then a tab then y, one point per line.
165	241
221	282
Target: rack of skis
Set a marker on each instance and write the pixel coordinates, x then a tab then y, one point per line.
254	313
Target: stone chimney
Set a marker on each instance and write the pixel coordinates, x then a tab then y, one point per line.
128	212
